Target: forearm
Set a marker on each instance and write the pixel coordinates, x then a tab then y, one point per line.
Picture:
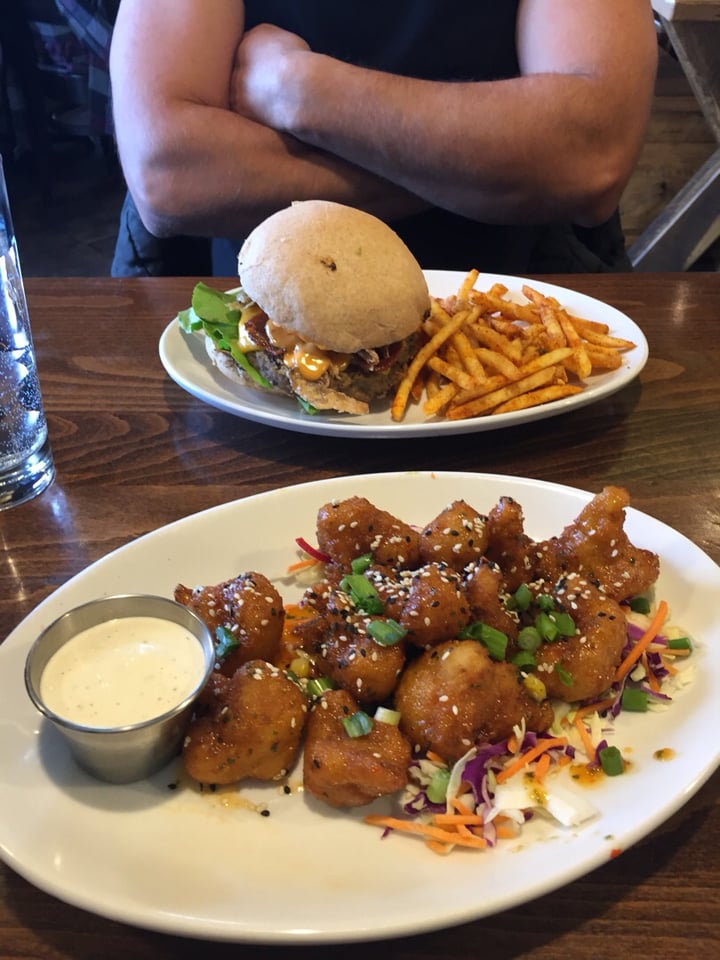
558	141
206	172
192	165
453	144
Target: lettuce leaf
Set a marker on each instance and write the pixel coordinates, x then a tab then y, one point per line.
219	315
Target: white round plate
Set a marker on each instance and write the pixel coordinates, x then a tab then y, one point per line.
209	865
186	361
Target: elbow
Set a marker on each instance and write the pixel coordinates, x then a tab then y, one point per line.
600	191
158	207
154	183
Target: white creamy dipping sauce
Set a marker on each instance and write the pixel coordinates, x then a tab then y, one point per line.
122	672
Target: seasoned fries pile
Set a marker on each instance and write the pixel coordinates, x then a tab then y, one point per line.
486	354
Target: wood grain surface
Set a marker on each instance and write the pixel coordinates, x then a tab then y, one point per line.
134	452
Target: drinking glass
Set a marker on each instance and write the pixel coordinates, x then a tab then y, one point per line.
26	463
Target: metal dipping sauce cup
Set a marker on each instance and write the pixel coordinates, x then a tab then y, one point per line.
120	754
26	463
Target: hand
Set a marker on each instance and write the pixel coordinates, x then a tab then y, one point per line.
261	86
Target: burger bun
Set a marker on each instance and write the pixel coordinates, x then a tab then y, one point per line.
334	275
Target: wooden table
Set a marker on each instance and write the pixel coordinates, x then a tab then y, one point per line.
691	221
135	452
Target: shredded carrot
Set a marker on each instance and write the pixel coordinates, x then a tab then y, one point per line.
585	737
513	744
542	767
441	848
669	651
594	707
434	758
426	830
672	670
647	638
528	757
652	680
461	807
506	833
457	819
301	565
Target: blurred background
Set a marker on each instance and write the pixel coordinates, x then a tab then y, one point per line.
66	186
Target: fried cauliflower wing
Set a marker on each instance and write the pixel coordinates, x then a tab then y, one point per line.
347	529
248	726
596	546
456	537
455	695
347	771
249	607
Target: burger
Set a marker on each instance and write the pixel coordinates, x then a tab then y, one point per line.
329	308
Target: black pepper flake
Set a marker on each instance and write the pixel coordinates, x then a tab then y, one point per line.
264	813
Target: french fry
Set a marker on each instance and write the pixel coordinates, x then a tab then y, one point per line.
481	389
503	394
553	329
498	361
582	325
580	362
467	284
604	340
468	356
452	372
550	359
603	358
495	341
485	353
441	399
534	398
402	394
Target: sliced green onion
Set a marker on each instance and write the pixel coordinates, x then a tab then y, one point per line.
358	725
495	640
566	678
317	686
564	622
545	602
362	593
386	632
437	788
634	699
360	564
386	715
679	643
521	599
546	628
611	761
524	659
529	639
226	642
640	605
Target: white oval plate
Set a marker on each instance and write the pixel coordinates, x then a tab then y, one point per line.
186	361
207	866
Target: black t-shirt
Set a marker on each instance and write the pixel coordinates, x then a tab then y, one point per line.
441	40
432	39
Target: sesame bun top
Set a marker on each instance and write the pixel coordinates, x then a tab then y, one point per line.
336	276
